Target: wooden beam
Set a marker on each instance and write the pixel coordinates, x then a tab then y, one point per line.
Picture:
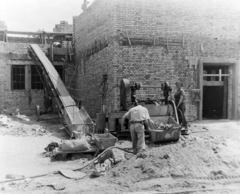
129	41
235	70
39	33
213	83
219	61
167	45
150	86
210	75
201	89
225	98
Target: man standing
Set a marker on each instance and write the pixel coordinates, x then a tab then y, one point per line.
138	115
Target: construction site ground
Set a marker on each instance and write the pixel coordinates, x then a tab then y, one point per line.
206	161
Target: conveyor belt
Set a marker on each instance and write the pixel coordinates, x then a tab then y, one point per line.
75	119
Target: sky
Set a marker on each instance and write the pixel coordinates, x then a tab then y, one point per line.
34	15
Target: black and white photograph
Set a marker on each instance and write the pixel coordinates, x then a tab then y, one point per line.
120	96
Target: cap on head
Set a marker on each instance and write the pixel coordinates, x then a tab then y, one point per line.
180	83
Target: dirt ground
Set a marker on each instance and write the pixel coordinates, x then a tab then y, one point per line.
206	161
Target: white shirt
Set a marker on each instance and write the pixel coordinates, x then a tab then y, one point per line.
137	113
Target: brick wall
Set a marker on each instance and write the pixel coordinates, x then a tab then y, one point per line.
92	34
211	18
162	35
27	99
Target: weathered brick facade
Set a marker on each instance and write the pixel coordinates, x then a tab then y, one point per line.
25	100
153	41
15	53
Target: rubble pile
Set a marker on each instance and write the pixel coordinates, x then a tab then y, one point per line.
9	128
23	130
205	156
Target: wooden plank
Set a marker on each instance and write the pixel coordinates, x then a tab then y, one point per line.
213	83
39	33
210	75
219	61
201	89
27	77
8	77
225	97
235	71
129	41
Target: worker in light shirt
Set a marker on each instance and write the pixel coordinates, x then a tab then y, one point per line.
138	116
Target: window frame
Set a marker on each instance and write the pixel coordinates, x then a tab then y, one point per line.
22	77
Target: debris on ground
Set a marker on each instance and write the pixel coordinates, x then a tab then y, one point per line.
21	117
72	174
205	155
51	146
14	176
55	186
82	156
180	160
19	130
24	130
4	120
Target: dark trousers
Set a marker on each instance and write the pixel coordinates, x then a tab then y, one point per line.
182	118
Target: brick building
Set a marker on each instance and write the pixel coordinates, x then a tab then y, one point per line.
153	41
64	26
20	84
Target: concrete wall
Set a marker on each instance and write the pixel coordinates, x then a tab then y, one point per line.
163	36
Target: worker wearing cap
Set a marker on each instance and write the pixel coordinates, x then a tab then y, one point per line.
138	115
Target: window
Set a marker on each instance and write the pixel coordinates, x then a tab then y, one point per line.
60	70
36	83
18	77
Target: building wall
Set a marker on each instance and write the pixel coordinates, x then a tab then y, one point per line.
153	41
210	18
152	65
94	52
205	28
27	99
63	27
